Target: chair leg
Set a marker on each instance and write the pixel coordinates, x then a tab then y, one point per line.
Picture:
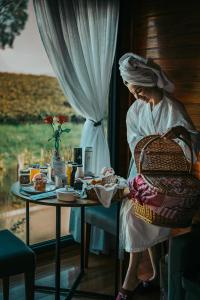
29	285
87	243
5	281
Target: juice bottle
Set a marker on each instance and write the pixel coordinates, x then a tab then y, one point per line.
69	171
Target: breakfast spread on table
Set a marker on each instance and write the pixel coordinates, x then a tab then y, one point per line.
76	181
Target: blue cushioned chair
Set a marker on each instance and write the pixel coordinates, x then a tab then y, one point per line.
16	258
101	217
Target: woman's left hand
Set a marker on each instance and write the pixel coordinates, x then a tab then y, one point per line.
176	132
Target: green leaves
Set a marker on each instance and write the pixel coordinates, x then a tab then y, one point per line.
56	123
66	130
13	17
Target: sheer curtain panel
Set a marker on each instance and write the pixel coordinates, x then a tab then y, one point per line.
80	39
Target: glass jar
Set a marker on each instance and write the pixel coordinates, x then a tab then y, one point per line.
24	176
44	170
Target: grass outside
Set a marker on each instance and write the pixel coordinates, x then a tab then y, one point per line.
32	141
29	141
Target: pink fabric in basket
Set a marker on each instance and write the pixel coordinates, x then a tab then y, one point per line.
142	192
164	205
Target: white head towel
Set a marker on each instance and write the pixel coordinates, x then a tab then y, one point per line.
143	72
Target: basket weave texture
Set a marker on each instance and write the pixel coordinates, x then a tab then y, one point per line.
148	215
91	194
158	159
160	155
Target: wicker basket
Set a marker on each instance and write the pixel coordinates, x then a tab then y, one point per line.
157	158
148	215
154	154
91	194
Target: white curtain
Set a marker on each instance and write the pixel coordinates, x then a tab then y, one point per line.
80	39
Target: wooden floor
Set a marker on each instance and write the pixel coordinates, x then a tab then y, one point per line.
99	276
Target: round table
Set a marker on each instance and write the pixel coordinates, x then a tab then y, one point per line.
81	203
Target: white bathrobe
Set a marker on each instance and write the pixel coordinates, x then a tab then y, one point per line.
137	235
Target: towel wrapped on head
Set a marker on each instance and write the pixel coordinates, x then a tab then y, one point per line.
143	72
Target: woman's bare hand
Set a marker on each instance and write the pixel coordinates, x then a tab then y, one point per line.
176	132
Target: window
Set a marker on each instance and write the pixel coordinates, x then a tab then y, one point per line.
28	91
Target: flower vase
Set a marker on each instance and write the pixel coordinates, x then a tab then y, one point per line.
57	165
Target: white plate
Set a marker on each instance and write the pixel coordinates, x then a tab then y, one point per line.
68	196
30	189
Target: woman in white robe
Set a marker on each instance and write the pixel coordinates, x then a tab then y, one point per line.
155	111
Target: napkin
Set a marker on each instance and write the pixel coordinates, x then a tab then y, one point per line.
105	193
47	195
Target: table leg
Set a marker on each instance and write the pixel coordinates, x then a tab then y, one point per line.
117	250
57	252
72	291
82	258
77	281
27	223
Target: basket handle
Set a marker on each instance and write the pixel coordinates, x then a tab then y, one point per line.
191	153
141	159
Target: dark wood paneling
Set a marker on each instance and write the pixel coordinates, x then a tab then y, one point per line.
169	32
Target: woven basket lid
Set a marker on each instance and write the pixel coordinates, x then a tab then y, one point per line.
161	155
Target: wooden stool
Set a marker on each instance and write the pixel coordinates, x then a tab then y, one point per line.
16	258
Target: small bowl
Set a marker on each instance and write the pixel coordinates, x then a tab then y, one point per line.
68	196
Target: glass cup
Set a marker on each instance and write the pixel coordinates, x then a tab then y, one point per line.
33	172
40	186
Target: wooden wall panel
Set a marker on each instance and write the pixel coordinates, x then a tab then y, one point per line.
169	32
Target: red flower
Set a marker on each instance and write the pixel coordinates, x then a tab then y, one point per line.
48	120
62	119
56	124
